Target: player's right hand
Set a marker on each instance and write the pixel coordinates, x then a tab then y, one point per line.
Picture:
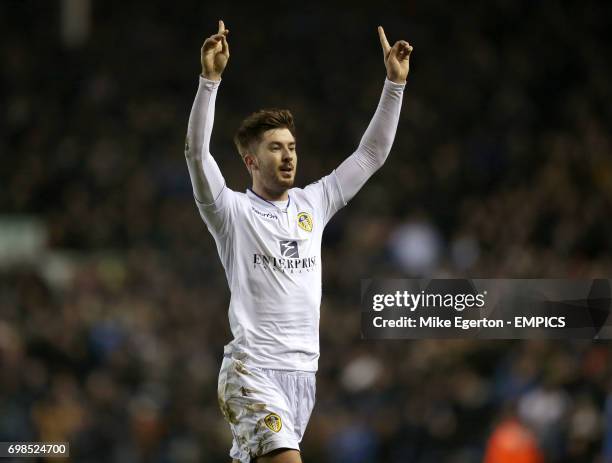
215	53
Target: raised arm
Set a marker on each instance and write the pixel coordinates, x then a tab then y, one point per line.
376	142
206	177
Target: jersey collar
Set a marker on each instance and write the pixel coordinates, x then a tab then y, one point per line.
264	202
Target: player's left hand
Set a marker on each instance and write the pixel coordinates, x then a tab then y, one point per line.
397	58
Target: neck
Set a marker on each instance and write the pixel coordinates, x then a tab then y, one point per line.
270	195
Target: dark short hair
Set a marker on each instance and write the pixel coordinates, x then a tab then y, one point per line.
252	128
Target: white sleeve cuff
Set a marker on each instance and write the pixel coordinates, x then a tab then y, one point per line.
209	84
393	85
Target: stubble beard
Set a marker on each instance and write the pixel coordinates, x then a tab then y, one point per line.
283	184
278	185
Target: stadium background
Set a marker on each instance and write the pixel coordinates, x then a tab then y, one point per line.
112	298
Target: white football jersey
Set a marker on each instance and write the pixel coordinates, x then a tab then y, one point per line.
272	254
272	261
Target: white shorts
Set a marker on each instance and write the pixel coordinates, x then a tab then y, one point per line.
266	409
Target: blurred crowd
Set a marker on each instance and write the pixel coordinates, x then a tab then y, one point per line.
111	332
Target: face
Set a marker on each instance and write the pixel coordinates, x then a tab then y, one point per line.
275	161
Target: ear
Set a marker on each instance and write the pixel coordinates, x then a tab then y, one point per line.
250	161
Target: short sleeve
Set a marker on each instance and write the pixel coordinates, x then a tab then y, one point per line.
326	194
219	215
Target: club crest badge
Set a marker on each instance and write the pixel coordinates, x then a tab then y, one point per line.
305	221
273	422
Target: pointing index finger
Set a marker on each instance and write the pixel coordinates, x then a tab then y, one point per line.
221	27
383	40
